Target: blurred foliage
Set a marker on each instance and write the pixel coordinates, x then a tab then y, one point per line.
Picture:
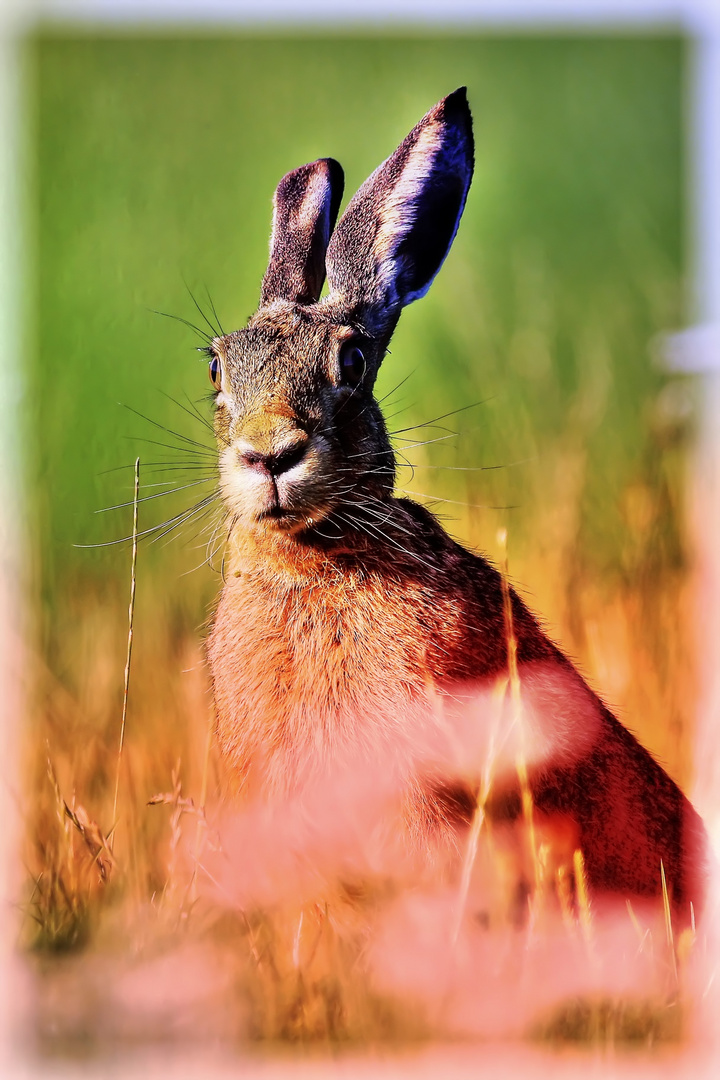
156	160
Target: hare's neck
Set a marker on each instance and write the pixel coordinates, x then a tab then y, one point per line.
314	673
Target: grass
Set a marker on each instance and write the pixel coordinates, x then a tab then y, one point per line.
155	160
131	916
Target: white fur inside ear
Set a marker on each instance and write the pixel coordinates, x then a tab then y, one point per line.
313	207
303	218
399	210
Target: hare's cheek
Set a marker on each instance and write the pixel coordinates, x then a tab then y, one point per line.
221	422
243	490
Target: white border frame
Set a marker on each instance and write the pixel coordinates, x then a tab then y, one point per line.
697	350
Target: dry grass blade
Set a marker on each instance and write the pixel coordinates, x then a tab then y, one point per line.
514	679
95	841
583	900
668	920
181	806
131	616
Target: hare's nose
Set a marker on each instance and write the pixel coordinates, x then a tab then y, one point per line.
280	461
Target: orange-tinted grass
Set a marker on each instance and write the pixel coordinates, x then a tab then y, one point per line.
152	944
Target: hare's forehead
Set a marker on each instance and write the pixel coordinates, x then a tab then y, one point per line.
266	347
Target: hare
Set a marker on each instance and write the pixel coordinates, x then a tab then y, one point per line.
348	614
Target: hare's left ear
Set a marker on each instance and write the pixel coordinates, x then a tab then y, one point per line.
395	233
305	207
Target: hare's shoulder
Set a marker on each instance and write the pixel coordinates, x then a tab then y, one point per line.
474	587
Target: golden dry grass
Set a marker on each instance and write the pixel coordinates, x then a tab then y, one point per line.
118	901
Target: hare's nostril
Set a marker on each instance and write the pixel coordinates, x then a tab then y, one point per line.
286	459
254	460
281	461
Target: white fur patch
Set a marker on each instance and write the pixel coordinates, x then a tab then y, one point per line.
313	208
399	211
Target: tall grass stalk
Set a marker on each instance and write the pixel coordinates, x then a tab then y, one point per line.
201	823
583	900
668	920
514	678
131	617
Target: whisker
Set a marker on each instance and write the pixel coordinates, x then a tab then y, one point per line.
376	532
172	522
198	520
195	412
212	308
230	530
157	466
170	431
178	318
373	452
395	389
192	412
155	495
412	443
200	311
398	412
316	529
181	467
462	468
200	452
212	548
455	502
444	416
382	516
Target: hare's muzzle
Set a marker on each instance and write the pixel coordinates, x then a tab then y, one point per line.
274	476
277	462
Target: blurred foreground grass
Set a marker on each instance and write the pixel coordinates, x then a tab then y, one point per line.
155	163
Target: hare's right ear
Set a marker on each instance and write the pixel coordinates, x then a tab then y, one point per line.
305	207
396	231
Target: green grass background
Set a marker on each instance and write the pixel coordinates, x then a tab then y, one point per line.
155	160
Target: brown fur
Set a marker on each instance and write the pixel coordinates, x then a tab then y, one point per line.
348	614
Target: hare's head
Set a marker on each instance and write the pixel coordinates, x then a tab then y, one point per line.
303	445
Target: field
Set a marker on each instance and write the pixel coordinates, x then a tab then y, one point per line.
525	396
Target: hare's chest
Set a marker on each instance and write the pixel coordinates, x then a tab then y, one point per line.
308	671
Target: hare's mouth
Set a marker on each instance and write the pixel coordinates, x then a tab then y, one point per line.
292	518
286	490
273	505
282	516
277	513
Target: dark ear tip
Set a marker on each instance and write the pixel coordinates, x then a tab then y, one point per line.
454	111
458	97
455	106
334	170
331	168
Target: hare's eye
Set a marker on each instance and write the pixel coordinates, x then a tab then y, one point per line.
352	363
215	371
